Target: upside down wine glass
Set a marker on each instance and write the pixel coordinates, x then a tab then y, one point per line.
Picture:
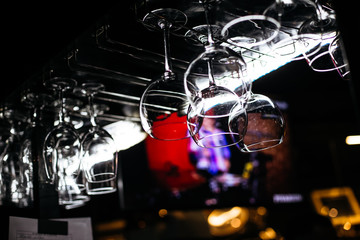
265	126
164	103
16	188
289	43
247	28
207	82
339	58
323	25
32	136
62	147
62	150
99	158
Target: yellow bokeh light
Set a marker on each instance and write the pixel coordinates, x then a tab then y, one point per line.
261	211
347	226
267	234
353	140
218	218
163	212
324	211
235	223
333	212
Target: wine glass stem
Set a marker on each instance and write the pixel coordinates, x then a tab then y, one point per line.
165	27
320	12
210	71
62	106
91	110
206	10
279	8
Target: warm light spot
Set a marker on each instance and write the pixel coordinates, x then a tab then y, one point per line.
218	218
267	234
261	211
324	211
163	212
111	226
235	223
333	212
347	226
353	140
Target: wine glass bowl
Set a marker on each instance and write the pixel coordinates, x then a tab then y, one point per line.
339	58
99	156
290	42
98	161
216	87
323	27
62	145
265	126
222	67
208	131
213	102
255	30
163	110
156	19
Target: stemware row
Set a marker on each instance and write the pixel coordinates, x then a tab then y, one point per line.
215	104
79	165
79	160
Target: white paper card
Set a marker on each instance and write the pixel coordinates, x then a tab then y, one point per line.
27	228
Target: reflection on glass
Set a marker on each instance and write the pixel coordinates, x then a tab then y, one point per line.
126	133
211	132
211	160
211	100
62	148
339	58
265	127
99	160
16	169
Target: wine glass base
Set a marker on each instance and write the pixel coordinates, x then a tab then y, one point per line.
175	19
260	28
198	35
98	189
61	83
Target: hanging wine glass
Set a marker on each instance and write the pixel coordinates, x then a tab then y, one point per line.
217	68
265	126
5	127
243	25
164	103
229	72
33	134
291	14
100	157
339	58
324	26
246	31
251	30
62	147
69	194
13	174
206	83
